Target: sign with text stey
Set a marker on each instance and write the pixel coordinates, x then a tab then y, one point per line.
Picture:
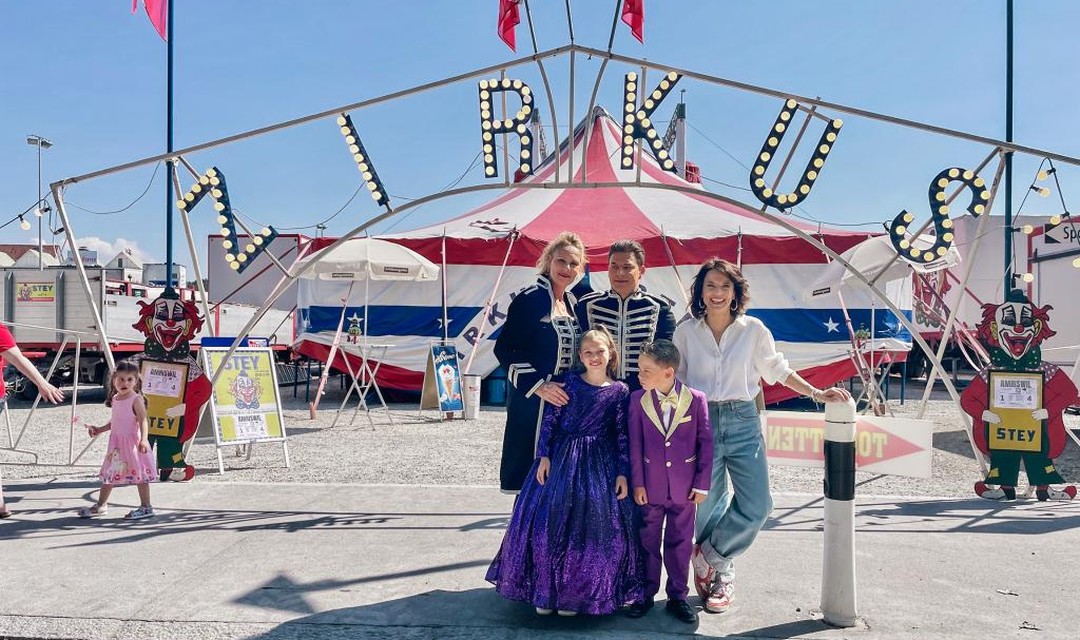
895	446
442	381
246	404
163	385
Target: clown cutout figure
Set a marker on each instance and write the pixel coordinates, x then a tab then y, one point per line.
1016	403
169	324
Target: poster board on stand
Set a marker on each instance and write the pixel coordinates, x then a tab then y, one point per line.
442	388
1014	395
245	403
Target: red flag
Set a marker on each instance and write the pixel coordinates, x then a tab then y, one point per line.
508	20
158	10
633	14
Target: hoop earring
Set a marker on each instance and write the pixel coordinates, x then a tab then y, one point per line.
734	306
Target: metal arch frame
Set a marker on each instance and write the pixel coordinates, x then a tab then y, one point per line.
295	272
604	55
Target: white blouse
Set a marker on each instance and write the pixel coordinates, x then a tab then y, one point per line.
731	369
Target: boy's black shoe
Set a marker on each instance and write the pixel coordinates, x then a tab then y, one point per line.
639	609
682	610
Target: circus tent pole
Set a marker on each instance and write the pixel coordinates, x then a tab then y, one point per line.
513	236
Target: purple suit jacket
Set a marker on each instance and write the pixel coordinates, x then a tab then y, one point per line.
670	462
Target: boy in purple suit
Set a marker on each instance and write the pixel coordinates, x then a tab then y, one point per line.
671	453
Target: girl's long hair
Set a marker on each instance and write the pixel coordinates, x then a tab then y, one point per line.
124	366
602	336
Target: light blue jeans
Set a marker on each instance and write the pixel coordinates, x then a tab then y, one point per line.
728	521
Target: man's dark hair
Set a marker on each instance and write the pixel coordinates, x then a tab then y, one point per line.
628	246
664	352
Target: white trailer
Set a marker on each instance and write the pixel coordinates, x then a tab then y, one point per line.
37	304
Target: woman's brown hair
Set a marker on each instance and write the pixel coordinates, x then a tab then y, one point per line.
124	366
731	272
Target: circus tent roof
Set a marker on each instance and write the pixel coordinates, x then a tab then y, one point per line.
664	210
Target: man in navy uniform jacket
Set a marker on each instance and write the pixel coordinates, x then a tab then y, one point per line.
632	316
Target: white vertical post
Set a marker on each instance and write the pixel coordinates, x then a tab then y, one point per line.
838	568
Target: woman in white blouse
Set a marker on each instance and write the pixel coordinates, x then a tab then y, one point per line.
726	354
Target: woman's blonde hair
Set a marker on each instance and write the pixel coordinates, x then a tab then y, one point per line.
601	335
566	239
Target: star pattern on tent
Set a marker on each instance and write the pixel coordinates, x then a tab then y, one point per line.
831	326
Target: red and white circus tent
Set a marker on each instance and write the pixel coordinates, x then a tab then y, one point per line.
679	230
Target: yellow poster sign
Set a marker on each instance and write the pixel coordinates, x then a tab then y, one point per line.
1014	397
245	402
163	385
36	292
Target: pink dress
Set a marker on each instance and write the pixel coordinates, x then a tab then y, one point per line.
123	462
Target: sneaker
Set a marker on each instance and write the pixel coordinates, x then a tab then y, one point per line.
719	597
140	513
94	511
541	611
566	613
1000	494
1049	493
704	575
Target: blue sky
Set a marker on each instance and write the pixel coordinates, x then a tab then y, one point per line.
90	76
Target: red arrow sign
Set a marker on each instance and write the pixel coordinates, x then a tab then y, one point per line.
797	439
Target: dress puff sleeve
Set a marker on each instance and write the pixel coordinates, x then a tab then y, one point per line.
548	423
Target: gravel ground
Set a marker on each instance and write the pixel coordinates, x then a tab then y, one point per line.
423	450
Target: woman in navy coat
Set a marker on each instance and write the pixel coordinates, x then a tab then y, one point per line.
538	341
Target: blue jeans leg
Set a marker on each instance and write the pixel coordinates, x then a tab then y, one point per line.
729	522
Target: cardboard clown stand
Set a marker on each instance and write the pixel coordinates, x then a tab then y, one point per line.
1016	403
174	384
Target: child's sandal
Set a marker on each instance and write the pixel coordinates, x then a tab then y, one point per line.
94	511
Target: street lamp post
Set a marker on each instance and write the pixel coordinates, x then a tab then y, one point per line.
40	143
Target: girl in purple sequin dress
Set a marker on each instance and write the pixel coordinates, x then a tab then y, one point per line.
570	545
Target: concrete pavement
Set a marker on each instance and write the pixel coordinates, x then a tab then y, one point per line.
283	561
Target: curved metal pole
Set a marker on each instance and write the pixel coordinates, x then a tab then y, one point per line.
589	121
547	90
95	311
968	268
491	300
605	55
328	113
595	90
834	106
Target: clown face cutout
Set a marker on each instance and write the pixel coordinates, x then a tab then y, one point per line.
169	324
245	391
1013	331
1015	328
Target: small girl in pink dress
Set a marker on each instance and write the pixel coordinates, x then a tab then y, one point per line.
129	459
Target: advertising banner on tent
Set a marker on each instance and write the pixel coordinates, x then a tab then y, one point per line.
245	402
895	446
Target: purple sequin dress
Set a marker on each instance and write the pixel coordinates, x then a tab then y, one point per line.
571	543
